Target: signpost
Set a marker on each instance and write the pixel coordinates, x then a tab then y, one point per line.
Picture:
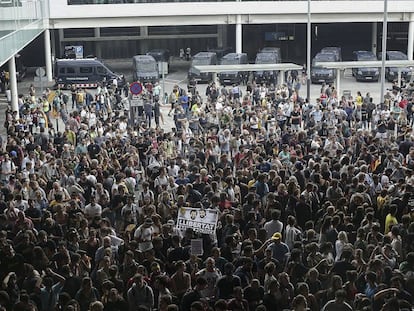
135	88
134	104
40	77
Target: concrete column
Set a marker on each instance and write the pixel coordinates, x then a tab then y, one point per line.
98	45
374	35
222	35
13	85
282	77
338	83
410	46
239	35
48	56
144	41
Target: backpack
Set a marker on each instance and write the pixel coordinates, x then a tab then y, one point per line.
79	98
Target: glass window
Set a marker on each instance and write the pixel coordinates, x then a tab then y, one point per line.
61	70
85	69
70	70
101	70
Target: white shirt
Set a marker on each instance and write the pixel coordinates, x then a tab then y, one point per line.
21	205
28	159
144	233
93	210
92	119
173	170
339	247
272	227
291	235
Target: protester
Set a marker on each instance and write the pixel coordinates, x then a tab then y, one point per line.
256	201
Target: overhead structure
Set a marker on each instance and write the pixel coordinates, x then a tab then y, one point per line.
340	66
282	67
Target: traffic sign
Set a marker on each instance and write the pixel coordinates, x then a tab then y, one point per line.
135	88
40	72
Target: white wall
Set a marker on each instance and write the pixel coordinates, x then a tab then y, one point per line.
203	13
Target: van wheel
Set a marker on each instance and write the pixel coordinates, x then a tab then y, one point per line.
68	86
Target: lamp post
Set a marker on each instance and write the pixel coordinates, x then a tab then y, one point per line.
308	54
384	49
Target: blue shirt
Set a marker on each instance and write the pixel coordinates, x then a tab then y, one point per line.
49	297
279	251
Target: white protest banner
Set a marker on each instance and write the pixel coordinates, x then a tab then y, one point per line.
200	220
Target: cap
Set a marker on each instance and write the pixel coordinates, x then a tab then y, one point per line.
13	153
276	236
170	222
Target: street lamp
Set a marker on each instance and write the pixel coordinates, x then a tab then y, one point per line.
308	54
384	49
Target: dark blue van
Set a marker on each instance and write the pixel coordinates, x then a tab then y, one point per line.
84	73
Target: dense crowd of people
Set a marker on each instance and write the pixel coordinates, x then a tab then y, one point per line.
315	200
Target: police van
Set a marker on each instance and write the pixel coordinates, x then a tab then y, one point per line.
267	55
84	73
202	58
145	69
234	77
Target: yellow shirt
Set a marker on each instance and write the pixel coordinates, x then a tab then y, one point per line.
358	100
389	222
45	106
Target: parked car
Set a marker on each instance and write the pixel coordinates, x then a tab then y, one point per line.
365	73
202	58
233	77
145	69
268	76
335	50
321	74
220	52
391	73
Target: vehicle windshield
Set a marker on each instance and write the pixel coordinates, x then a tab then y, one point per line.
266	59
363	57
330	50
229	61
324	58
201	61
397	56
275	53
146	66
